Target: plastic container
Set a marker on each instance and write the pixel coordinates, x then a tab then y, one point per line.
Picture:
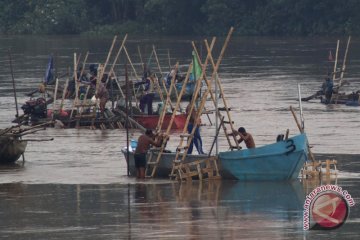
133	144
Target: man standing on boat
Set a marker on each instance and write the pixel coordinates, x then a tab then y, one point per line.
327	88
196	138
146	99
246	137
143	145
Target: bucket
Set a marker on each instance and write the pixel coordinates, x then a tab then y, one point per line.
133	144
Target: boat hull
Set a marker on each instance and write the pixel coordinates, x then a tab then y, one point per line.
279	161
11	149
151	121
165	164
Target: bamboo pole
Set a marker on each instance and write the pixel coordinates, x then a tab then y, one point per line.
343	69
6	130
336	59
110	52
117	56
168	101
158	65
83	66
177	105
13	83
132	65
55	96
76	86
136	76
37	140
141	59
214	76
157	60
38	126
161	73
131	120
63	95
169	59
311	155
127	118
102	69
76	64
118	84
191	109
296	120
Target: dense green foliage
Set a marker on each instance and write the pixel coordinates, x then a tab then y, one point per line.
180	17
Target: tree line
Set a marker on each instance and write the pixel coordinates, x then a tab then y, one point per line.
181	17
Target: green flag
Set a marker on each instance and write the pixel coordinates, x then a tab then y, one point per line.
196	70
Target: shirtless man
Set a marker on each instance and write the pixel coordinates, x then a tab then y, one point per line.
143	145
102	94
245	136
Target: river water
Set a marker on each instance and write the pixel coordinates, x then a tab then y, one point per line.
75	187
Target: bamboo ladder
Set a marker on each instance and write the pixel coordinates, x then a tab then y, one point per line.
207	166
337	81
180	169
231	139
152	164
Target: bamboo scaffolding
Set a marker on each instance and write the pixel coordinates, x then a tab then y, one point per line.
101	70
342	69
154	164
215	76
191	109
77	83
161	73
168	101
117	56
184	169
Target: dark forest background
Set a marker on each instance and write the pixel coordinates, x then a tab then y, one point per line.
181	17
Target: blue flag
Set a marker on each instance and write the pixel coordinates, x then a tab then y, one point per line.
49	74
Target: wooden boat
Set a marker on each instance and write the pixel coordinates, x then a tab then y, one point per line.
165	165
351	99
282	160
11	148
151	121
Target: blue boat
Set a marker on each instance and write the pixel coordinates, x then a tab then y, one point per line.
282	160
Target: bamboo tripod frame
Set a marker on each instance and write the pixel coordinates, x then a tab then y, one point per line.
179	166
334	97
154	164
